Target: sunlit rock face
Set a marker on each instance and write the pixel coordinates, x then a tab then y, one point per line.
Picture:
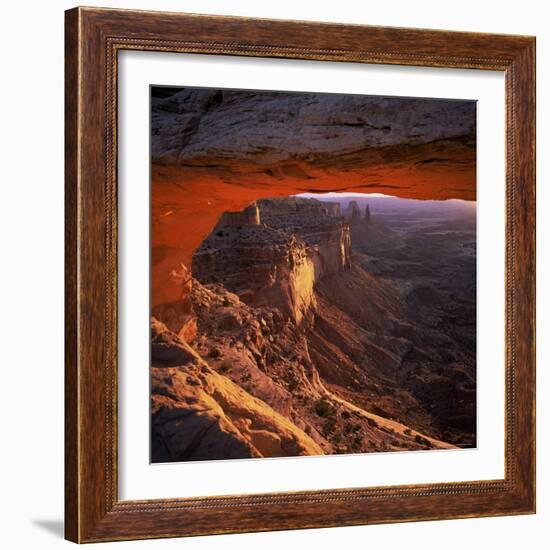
318	224
247	216
277	261
260	265
198	414
178	315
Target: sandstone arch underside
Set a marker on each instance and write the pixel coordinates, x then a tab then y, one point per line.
215	151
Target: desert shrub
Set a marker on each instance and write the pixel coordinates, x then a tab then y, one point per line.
292	384
379	411
323	408
345	414
372	422
407	431
352	428
422	440
329	426
226	302
214	352
225	367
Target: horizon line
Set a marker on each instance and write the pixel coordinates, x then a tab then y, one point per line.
348	194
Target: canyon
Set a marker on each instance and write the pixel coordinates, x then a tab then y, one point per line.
215	151
292	312
301	345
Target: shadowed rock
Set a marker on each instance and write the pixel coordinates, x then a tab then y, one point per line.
198	414
195	124
353	213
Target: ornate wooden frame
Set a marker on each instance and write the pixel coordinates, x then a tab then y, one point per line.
93	511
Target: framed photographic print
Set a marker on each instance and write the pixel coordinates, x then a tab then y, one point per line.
300	275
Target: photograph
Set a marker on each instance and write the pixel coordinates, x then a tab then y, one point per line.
290	275
313	274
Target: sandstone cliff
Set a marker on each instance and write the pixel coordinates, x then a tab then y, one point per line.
294	350
198	414
322	356
275	256
318	224
248	387
176	311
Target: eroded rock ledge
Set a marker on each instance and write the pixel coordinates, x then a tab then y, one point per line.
274	251
248	388
207	126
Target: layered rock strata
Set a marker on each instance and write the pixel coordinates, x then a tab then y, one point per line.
199	126
198	414
275	256
247	387
215	151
